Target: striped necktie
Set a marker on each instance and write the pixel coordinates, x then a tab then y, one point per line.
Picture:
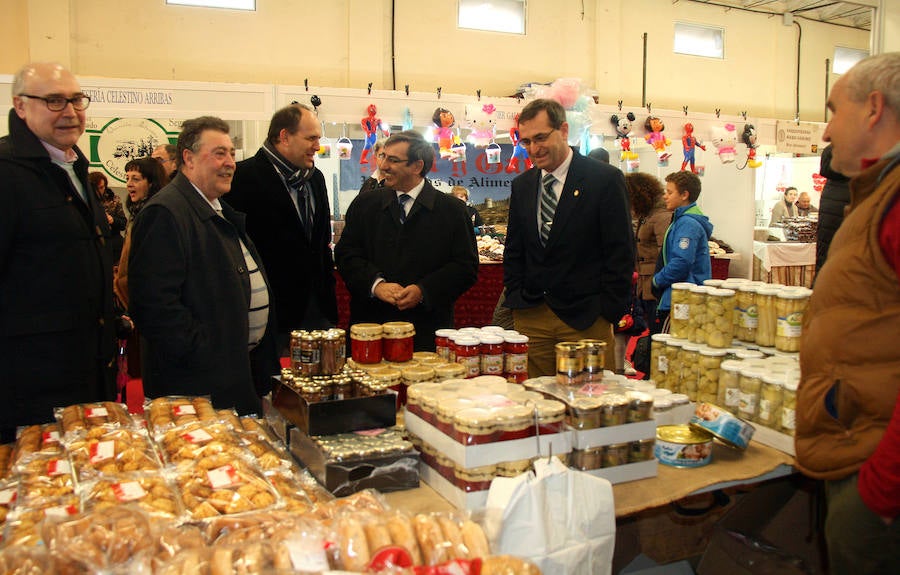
403	198
548	206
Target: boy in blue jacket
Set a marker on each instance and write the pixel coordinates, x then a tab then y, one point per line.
684	256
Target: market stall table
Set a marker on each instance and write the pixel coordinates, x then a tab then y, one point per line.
788	263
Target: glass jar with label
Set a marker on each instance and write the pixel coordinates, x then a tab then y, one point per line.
468	354
491	354
570	363
594	350
690	357
673	376
680	312
310	354
515	357
719	326
708	374
789	404
398	340
334	351
445	371
748	313
365	342
698	314
713	283
751	383
442	342
728	394
790	305
295	351
771	395
659	361
765	306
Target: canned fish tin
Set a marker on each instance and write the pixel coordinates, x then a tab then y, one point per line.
724	426
683	446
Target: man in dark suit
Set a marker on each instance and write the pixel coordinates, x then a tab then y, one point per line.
288	218
407	251
56	328
198	293
569	246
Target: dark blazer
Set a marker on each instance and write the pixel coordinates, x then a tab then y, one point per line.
296	267
56	336
189	296
434	249
584	271
835	199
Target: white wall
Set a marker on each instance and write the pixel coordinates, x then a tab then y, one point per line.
346	43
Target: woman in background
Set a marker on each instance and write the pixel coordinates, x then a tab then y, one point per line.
787	208
144	177
651	221
115	215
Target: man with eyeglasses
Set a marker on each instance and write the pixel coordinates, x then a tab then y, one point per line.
407	251
569	250
56	329
165	154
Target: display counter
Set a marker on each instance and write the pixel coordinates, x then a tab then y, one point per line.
788	263
473	308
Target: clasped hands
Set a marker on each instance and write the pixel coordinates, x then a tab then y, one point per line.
403	298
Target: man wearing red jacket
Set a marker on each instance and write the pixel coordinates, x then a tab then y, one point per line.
848	416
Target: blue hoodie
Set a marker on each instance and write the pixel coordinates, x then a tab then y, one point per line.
685	252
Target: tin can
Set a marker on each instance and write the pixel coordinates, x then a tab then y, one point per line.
722	425
683	446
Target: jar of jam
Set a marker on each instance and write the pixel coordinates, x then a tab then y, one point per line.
468	354
398	340
515	357
491	354
310	354
295	349
442	342
383	378
447	371
365	342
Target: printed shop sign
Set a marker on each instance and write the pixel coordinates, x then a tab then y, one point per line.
120	140
802	138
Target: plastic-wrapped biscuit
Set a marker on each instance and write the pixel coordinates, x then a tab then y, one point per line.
38	439
292	492
196	441
6	454
43	478
118	451
267	456
219	486
151	492
92	418
163	413
8	493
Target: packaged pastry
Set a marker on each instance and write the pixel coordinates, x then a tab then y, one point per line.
92	418
403	535
195	441
431	539
151	492
17	560
508	565
266	455
163	413
117	537
8	494
45	478
171	538
38	439
292	492
223	485
6	455
23	525
118	451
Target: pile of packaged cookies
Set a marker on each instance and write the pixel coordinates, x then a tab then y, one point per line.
192	489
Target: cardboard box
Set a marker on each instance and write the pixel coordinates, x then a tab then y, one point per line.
772	438
487	453
470	501
388	473
337	416
588	438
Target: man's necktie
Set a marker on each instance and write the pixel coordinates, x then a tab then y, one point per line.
403	198
303	199
548	206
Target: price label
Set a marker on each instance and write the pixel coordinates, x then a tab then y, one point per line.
223	477
197	436
128	490
96	412
60	511
102	450
50	437
187	409
7	496
58	467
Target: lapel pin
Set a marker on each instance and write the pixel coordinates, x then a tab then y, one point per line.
576	193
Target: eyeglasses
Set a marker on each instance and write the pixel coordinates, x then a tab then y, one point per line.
161	159
537	139
393	160
59	103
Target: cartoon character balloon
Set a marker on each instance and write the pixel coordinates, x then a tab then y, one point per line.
655	137
689	143
748	137
724	138
519	151
623	126
483	126
444	121
370	125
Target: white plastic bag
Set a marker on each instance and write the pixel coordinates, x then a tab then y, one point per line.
562	519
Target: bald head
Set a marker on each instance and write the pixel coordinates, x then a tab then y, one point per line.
32	85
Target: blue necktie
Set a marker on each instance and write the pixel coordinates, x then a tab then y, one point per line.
403	198
548	206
